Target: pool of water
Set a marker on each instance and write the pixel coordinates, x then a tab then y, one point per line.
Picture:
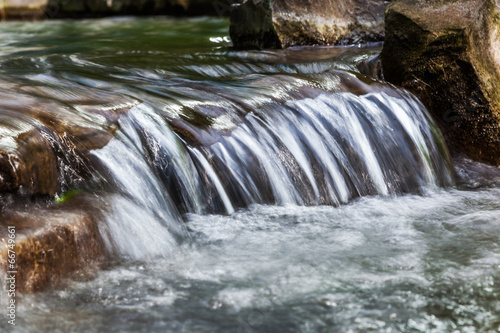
415	263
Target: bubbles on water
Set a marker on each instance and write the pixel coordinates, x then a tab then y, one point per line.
374	264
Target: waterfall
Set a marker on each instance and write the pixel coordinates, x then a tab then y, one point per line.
325	150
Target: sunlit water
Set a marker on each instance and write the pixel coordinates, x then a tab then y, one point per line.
311	198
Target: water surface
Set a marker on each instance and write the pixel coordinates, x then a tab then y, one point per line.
262	191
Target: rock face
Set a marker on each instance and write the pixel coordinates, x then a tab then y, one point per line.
52	244
448	54
27	163
280	23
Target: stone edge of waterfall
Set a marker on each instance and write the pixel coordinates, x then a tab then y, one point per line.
53	244
56	242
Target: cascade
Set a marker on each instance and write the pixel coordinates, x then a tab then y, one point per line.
325	150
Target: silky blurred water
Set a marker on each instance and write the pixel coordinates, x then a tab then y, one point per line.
414	263
414	251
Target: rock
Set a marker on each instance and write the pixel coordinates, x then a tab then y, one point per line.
47	9
281	24
52	244
27	161
22	8
46	135
448	54
371	67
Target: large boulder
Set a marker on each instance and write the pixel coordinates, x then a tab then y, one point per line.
280	23
448	54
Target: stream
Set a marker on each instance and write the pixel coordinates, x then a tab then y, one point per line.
247	191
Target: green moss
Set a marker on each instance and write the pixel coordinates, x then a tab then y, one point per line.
67	196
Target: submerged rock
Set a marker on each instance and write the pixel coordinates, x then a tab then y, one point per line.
280	24
448	54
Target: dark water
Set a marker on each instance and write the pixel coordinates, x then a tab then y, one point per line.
264	191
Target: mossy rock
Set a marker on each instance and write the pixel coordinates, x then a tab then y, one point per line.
448	54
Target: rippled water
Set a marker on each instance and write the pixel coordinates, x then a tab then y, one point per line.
406	249
410	264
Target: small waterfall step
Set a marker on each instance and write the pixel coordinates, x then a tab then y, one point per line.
324	150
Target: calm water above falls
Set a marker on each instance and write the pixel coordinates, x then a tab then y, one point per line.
265	191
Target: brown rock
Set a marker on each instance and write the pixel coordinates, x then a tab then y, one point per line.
280	23
27	162
52	244
44	142
448	54
22	8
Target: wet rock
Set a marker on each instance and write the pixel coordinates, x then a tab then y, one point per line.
448	54
52	244
281	24
371	67
45	142
27	162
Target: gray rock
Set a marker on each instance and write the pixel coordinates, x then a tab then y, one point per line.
280	23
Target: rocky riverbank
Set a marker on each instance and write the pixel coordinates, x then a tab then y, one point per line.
47	9
52	244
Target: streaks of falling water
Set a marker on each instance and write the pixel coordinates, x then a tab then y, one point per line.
215	180
142	222
310	151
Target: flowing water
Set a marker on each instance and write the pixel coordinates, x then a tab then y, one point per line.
263	191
